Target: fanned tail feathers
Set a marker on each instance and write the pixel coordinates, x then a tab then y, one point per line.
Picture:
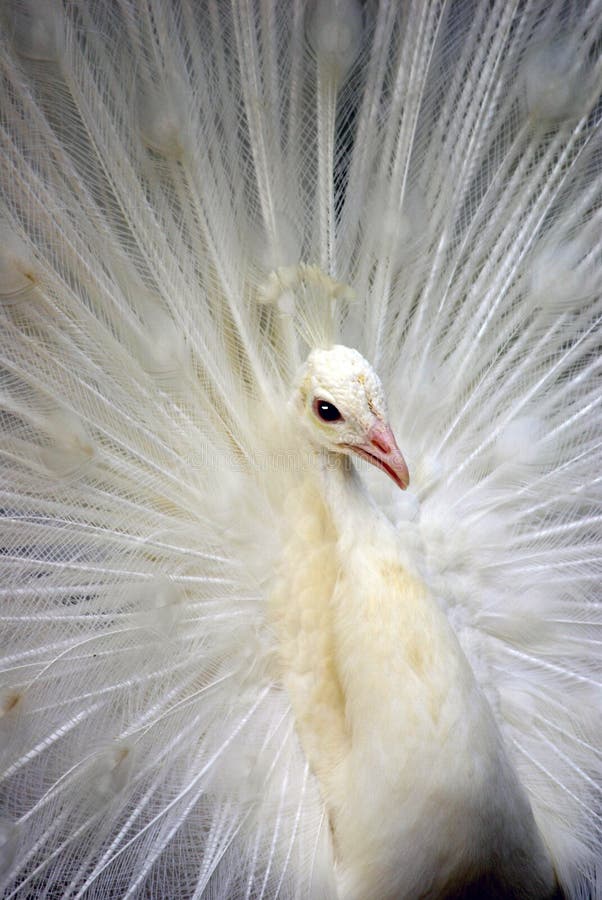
194	194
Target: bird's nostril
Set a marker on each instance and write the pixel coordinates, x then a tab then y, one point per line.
381	444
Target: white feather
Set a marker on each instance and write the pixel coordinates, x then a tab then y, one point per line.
194	196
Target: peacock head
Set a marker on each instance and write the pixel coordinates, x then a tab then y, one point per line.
342	403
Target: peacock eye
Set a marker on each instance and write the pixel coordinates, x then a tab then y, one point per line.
327	411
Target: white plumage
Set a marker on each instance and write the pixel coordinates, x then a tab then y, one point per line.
233	665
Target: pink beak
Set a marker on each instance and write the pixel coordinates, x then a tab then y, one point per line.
381	450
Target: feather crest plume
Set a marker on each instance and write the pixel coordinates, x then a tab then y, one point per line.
193	196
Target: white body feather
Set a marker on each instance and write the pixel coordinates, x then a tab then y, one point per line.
193	196
422	798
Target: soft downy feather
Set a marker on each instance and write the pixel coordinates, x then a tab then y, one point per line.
194	195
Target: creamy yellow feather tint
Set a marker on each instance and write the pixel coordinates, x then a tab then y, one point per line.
302	610
389	714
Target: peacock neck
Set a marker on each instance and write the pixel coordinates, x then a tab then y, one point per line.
346	497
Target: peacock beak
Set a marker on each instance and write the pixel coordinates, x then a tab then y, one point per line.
381	450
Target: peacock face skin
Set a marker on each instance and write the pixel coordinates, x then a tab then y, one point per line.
343	408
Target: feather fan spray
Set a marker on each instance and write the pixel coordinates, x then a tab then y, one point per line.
204	691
